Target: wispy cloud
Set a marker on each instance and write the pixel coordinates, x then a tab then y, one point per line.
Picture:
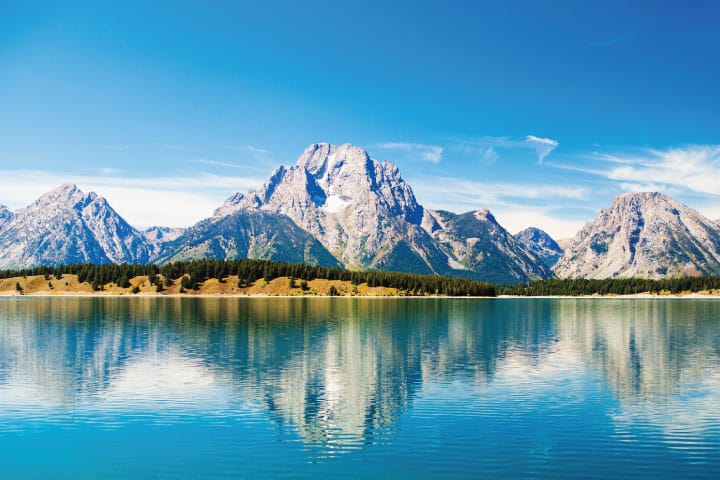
489	156
425	152
168	201
543	146
256	153
105	171
215	163
694	168
489	149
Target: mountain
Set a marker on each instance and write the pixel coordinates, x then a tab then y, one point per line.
366	216
5	215
476	242
69	226
243	234
159	235
645	235
541	244
360	209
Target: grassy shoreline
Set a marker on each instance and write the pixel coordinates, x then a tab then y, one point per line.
141	286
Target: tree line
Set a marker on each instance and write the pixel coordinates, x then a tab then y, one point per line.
611	286
193	273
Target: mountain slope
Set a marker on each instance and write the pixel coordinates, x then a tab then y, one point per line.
242	234
647	235
476	242
69	226
541	244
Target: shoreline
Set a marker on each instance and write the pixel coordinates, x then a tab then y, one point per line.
218	295
637	296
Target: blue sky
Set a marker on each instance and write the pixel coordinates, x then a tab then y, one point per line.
540	111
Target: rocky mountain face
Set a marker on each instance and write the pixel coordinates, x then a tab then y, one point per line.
358	208
541	244
475	242
5	216
244	234
645	235
158	235
366	216
69	226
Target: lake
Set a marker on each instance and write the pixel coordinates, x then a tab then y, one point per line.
193	388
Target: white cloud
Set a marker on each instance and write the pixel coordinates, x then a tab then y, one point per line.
143	202
490	156
256	153
544	146
105	171
487	146
215	163
695	168
428	153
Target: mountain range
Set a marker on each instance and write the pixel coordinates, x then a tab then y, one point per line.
337	206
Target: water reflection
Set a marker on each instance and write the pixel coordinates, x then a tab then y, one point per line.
340	373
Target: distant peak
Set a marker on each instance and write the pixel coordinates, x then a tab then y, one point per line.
69	192
485	214
532	232
64	191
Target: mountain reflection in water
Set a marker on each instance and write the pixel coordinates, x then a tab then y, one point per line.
339	374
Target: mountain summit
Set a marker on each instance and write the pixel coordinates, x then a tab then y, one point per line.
66	225
646	235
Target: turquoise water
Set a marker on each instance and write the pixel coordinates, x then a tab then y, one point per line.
359	388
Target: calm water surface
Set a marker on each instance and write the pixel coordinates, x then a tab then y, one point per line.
359	388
